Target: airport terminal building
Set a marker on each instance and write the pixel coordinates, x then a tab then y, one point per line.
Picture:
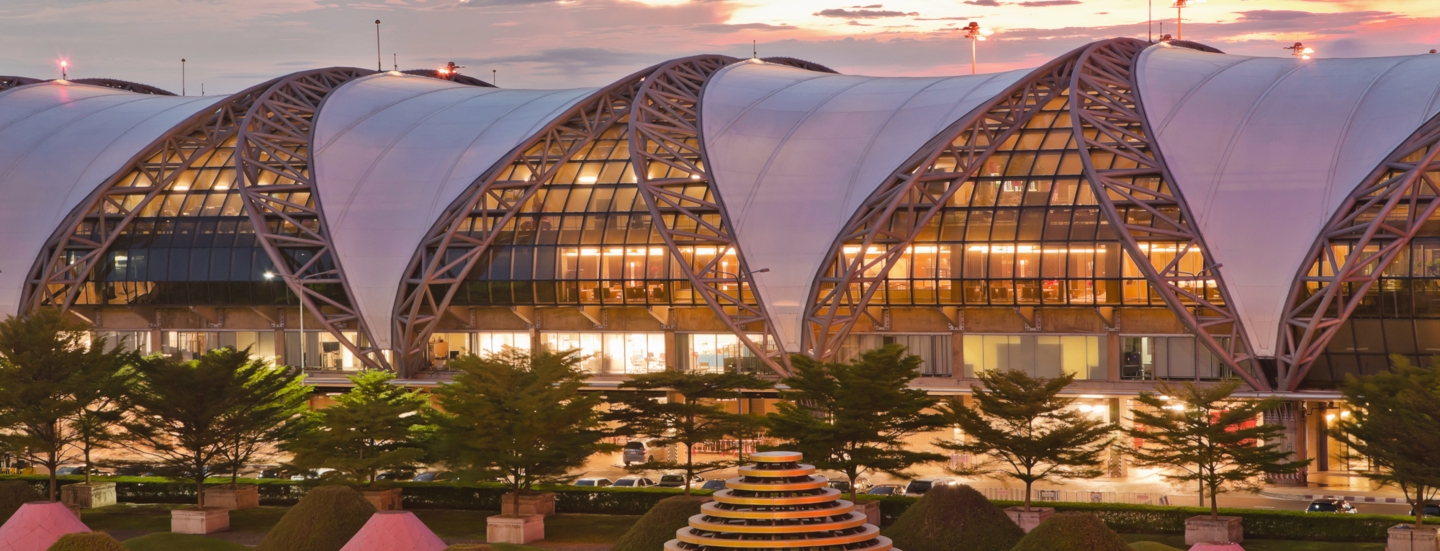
1129	212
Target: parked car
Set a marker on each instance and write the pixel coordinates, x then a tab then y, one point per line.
594	481
678	481
395	475
920	486
713	484
1331	506
883	490
78	470
640	451
1432	509
434	476
135	470
272	473
843	485
634	482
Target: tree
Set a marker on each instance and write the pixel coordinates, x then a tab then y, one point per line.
48	376
1212	439
270	411
518	417
182	413
375	427
854	417
1392	422
94	426
1026	430
692	419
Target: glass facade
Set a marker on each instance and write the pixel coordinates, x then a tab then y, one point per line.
1400	314
1168	357
190	345
1040	355
612	353
935	351
718	353
448	346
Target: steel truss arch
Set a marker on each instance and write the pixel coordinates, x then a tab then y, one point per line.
842	290
1385	211
452	77
8	82
664	137
1109	122
277	185
70	255
800	64
124	85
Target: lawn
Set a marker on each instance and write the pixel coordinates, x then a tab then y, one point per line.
165	541
1178	542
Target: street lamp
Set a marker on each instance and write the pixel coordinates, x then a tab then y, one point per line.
1179	21
1299	50
270	276
975	33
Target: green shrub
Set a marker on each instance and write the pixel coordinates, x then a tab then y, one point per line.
324	520
13	494
469	547
659	525
86	541
953	518
1072	532
170	541
1151	546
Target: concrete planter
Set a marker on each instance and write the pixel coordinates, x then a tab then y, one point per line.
384	500
207	520
244	496
88	496
542	503
514	529
871	510
1203	529
1028	520
1406	538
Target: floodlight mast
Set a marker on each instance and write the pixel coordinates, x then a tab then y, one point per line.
1179	20
975	33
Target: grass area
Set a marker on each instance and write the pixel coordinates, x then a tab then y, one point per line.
1178	542
165	541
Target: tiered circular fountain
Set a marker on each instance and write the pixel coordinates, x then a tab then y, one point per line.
778	504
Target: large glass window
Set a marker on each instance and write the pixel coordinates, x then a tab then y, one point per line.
934	350
133	341
718	353
1168	357
1039	355
445	347
612	353
190	345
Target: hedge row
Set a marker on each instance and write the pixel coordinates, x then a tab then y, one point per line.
1259	524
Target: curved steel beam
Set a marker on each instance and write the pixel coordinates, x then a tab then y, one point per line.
70	255
277	185
124	85
452	77
800	64
918	190
664	138
1385	211
1109	122
8	82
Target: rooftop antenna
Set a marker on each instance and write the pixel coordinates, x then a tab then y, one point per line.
493	74
754	50
202	89
378	67
1150	23
395	60
182	76
64	65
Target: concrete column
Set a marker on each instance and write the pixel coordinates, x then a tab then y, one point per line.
672	351
535	347
280	358
157	340
1322	440
1112	355
1291	416
1116	464
957	355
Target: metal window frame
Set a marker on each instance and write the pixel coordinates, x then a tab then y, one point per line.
1364	219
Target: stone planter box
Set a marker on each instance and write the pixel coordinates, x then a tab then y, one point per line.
1406	538
244	496
207	520
514	529
88	496
530	504
1202	529
384	500
1028	520
871	510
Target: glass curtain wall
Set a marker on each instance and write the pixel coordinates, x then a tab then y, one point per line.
1168	357
934	350
718	353
612	353
1040	355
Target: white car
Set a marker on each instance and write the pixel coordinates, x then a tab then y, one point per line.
634	482
594	482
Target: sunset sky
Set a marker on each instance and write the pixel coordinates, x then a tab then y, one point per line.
231	44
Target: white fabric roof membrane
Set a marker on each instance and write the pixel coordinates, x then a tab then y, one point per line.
1264	150
393	151
794	153
60	141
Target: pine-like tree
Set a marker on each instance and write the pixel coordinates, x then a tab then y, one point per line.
1026	431
1212	439
1392	422
694	418
517	417
271	412
854	417
375	427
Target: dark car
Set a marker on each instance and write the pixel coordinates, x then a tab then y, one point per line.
715	484
1432	509
272	473
1331	506
884	490
135	470
395	475
919	487
434	476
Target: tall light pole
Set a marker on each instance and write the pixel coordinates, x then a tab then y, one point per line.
182	76
64	66
378	67
975	33
1179	20
1299	50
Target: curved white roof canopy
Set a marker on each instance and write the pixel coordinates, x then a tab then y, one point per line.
794	154
393	151
60	141
1264	150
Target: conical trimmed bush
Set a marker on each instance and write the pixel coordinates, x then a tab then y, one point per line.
1072	532
394	531
13	494
88	541
659	524
37	525
324	520
951	518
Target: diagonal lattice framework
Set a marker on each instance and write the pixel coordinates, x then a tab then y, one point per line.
449	252
1128	173
124	85
277	184
8	82
70	255
916	193
1376	221
668	158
